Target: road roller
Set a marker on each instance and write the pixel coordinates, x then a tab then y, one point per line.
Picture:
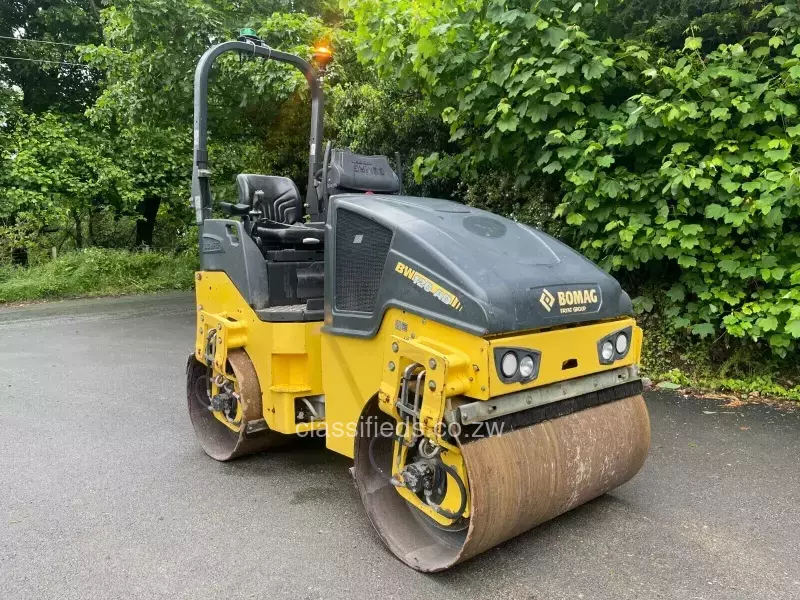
481	375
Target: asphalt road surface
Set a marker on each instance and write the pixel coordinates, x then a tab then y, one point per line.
104	492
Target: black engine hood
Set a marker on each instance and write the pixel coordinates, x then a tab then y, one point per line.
472	269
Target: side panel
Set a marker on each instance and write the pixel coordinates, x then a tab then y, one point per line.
354	368
352	377
402	281
287	356
562	348
225	247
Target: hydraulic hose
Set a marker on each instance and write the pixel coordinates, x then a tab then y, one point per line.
462	490
454	515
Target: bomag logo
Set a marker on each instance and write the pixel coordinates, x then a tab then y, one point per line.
428	285
570	301
547	300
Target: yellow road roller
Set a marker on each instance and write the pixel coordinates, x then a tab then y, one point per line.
481	374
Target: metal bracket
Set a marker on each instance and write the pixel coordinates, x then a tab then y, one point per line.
447	373
218	334
255	426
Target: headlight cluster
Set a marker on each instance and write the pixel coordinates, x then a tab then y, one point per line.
516	364
615	346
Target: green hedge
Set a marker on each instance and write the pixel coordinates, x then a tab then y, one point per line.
98	272
678	168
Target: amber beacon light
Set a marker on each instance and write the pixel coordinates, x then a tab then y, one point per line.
322	56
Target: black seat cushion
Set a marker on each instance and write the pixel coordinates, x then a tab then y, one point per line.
273	233
277	198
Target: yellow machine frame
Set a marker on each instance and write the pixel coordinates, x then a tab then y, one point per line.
295	360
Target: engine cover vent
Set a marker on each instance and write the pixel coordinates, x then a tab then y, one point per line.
362	246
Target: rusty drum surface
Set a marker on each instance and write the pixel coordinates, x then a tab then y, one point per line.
218	441
517	481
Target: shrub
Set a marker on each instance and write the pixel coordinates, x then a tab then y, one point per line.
678	167
98	272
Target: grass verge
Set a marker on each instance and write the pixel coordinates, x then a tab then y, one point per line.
98	272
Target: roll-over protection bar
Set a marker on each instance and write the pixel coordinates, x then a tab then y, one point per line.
201	186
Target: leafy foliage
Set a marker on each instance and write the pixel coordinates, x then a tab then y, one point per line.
151	48
666	23
148	56
379	118
55	170
681	168
46	30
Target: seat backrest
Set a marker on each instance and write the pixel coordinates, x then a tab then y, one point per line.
277	198
350	172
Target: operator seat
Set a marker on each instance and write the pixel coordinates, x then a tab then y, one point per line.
276	198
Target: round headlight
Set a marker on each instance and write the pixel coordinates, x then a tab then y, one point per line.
526	367
607	350
622	343
508	365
